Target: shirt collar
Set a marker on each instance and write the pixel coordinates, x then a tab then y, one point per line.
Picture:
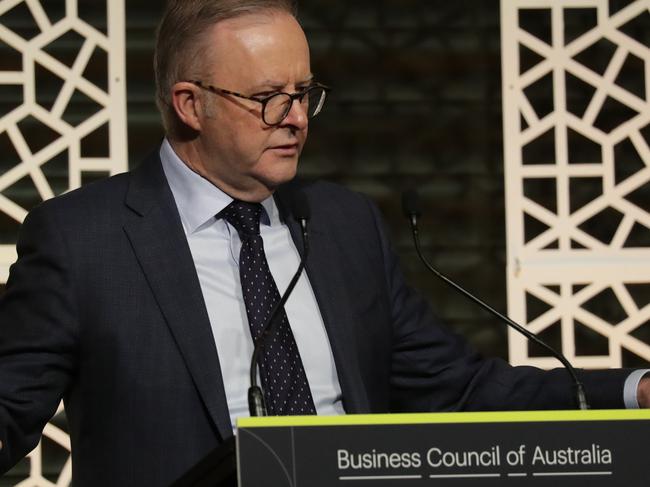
197	199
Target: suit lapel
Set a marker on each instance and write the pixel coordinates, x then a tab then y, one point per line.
159	242
334	303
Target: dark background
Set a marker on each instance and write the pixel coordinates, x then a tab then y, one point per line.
416	103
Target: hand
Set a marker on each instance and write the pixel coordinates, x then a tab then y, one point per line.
643	393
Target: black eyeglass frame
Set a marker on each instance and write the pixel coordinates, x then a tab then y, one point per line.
299	95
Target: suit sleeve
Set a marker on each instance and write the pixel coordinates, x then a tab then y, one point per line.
433	369
37	336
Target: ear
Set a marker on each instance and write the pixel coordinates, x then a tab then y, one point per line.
187	104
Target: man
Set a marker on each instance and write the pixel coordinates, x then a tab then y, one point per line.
135	298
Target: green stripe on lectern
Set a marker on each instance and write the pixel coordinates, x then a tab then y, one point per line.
422	418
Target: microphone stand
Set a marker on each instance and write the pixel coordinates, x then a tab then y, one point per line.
409	202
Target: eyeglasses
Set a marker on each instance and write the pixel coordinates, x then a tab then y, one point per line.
277	106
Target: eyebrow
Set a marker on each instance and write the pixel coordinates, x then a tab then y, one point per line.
276	85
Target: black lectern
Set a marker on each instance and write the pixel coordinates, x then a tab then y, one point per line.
217	469
540	448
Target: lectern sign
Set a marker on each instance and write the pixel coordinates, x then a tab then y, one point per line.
595	448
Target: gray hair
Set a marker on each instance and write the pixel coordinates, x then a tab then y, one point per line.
179	41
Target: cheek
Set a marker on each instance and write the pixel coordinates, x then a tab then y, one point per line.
253	145
242	143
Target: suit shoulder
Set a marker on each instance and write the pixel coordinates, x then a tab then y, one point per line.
334	195
340	209
90	196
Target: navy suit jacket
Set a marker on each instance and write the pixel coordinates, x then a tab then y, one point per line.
104	308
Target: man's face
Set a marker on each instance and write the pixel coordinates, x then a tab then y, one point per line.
255	55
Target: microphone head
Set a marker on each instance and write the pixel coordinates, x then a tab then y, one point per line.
411	203
299	206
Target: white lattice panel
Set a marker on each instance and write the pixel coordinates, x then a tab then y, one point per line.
52	106
54	134
577	164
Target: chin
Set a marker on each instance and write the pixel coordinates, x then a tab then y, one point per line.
282	172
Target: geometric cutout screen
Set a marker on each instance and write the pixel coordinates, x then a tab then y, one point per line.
62	121
62	103
576	110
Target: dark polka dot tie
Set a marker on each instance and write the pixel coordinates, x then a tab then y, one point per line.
286	389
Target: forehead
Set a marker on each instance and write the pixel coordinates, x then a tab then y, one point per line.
255	47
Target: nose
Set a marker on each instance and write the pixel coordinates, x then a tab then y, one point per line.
297	116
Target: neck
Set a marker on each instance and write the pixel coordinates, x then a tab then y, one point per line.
191	155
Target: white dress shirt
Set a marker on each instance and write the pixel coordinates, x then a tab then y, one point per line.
215	246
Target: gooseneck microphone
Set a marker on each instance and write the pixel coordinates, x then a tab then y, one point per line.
300	212
411	209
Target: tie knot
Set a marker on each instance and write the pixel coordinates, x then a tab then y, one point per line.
244	216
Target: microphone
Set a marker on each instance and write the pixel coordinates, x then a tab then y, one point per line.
411	209
300	211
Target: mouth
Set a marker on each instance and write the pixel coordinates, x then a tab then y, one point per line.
286	150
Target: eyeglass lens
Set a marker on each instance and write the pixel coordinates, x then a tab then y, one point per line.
278	107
